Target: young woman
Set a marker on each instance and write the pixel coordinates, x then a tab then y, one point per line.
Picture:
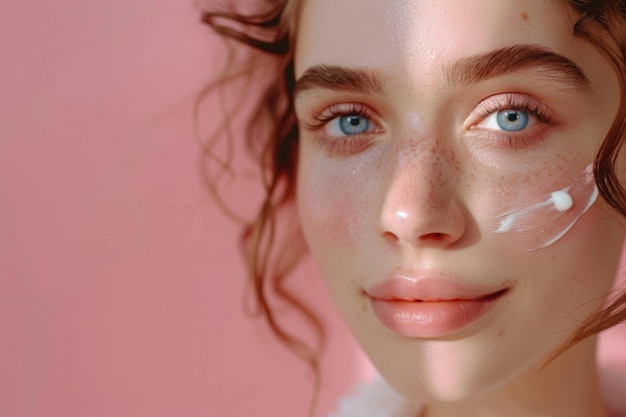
457	172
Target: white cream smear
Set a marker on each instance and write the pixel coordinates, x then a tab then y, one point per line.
540	224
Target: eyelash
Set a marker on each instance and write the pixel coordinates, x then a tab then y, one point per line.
337	110
349	144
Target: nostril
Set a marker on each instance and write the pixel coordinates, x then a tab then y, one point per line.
435	236
389	236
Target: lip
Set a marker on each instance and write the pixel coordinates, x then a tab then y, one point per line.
430	306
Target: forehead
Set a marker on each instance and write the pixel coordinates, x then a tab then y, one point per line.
422	35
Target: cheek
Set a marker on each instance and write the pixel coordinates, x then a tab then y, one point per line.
331	205
580	269
537	209
327	213
562	283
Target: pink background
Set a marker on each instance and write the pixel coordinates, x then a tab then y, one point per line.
121	289
120	286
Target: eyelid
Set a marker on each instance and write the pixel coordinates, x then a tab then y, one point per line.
506	101
343	145
320	118
481	137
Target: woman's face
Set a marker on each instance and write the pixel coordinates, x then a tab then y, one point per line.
425	127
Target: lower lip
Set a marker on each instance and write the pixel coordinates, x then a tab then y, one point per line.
430	319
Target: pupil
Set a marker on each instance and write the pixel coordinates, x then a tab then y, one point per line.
354	121
512	117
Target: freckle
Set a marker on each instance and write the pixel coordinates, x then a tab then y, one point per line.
501	332
525	16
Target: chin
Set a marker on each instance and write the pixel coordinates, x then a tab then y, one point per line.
465	369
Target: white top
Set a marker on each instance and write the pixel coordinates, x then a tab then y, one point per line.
378	399
375	399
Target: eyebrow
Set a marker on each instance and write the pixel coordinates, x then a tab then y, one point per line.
334	77
553	66
465	71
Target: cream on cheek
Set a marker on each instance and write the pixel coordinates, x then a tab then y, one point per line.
543	219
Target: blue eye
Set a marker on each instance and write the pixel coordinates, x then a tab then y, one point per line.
344	120
351	124
510	120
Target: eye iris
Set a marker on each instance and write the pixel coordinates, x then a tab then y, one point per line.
512	119
353	124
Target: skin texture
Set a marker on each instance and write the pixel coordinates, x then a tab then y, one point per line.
419	190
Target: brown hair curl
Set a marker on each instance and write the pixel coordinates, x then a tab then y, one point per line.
270	32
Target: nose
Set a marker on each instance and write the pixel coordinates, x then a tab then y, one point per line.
422	205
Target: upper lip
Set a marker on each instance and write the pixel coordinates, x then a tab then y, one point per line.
429	286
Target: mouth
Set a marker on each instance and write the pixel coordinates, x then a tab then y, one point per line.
487	297
431	307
